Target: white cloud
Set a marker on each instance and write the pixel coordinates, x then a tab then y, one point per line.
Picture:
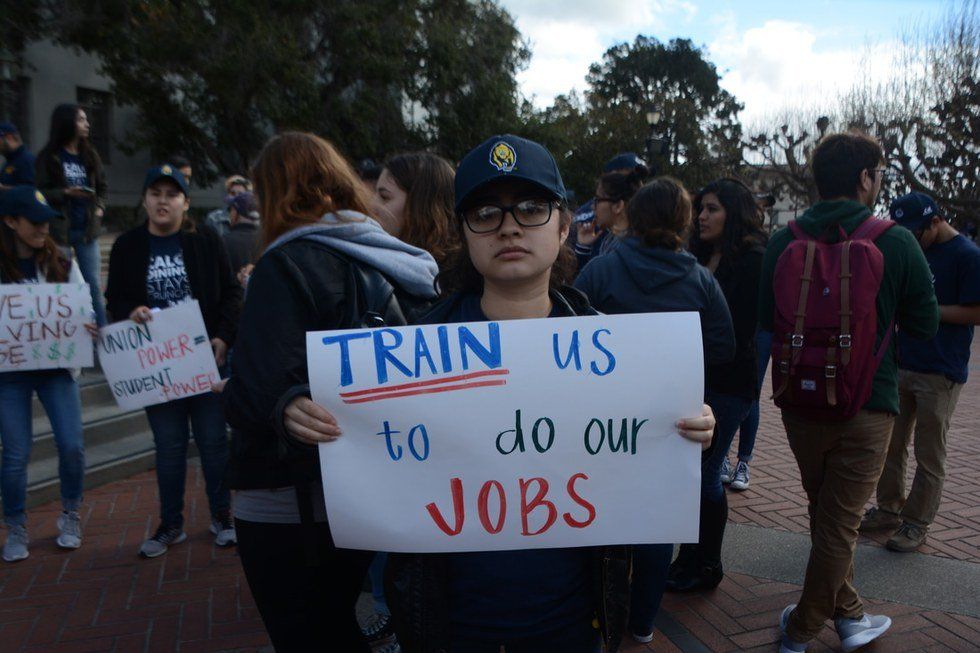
566	38
782	65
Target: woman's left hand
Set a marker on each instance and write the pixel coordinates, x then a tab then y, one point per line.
93	330
699	429
220	348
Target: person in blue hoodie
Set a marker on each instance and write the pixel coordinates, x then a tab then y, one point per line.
649	272
18	163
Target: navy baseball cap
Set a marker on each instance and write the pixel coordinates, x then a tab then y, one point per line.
166	171
507	156
625	161
245	205
8	128
914	211
26	202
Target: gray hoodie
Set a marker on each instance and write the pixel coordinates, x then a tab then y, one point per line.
634	278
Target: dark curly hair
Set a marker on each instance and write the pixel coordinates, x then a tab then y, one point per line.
660	213
743	220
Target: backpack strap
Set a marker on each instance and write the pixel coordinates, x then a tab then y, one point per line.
793	347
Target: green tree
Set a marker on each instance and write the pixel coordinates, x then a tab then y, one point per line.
214	79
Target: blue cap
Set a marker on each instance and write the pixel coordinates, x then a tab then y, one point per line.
624	161
26	202
507	156
166	171
914	211
8	128
245	205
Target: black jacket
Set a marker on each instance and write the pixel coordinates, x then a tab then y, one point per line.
739	280
213	284
50	180
297	287
241	241
417	585
634	278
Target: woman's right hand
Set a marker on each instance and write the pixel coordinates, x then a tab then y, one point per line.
141	314
309	422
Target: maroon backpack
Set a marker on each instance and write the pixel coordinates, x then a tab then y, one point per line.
826	322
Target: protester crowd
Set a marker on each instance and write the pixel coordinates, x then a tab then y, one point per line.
868	323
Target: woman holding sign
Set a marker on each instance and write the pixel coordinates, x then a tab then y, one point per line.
318	237
29	255
513	221
159	264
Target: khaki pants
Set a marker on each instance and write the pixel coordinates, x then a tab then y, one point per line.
926	402
840	463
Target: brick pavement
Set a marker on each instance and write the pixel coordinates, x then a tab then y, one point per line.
775	497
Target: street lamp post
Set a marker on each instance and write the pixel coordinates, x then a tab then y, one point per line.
656	143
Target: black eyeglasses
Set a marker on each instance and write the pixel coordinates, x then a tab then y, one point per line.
488	218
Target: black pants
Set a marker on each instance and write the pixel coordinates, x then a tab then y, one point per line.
304	607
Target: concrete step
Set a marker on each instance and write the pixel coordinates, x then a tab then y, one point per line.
92	389
100	425
104	463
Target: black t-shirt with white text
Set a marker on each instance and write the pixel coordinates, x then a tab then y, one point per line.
166	277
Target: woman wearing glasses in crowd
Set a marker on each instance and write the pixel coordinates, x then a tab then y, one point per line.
650	273
729	241
513	265
315	226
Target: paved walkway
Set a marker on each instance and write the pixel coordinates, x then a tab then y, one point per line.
103	598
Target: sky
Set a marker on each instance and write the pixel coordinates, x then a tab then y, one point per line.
771	54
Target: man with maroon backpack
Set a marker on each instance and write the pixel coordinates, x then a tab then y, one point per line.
834	286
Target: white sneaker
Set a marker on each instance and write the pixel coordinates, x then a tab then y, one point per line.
855	633
726	471
15	548
223	529
642	639
69	530
740	480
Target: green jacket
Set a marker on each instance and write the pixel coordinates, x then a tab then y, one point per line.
50	180
906	292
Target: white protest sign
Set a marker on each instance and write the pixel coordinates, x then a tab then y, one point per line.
511	435
42	326
167	358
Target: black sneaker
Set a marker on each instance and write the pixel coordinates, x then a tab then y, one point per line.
164	538
378	628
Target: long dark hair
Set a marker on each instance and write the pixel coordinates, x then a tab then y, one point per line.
660	213
460	275
63	130
427	179
743	221
48	258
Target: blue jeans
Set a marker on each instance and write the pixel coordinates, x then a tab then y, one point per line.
650	564
58	393
171	424
90	264
729	412
377	573
750	425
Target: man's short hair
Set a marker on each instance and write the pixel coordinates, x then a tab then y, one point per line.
838	160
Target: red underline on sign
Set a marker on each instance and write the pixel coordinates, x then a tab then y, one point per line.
420	384
427	390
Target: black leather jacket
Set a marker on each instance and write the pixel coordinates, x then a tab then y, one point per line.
416	585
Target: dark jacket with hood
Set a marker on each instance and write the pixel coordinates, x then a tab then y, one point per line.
739	280
417	585
634	278
212	281
906	295
50	180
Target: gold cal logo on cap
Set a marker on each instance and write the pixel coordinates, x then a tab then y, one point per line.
503	157
40	198
167	170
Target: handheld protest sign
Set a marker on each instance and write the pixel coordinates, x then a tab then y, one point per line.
511	435
167	358
42	326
